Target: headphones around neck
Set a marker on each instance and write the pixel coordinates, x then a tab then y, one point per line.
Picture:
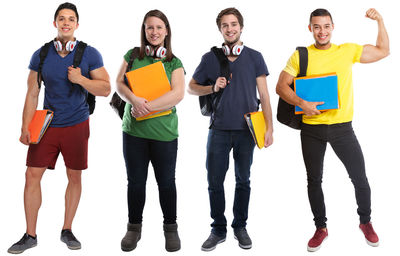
157	52
236	50
69	46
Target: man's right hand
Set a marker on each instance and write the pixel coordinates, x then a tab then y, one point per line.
25	137
310	108
220	84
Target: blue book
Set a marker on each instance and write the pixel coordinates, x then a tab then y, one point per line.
318	88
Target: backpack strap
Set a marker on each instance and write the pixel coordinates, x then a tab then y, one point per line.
134	55
223	62
80	49
44	50
303	58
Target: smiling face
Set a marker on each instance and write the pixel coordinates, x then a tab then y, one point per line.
230	29
155	30
66	23
321	27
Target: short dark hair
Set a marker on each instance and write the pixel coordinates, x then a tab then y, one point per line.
66	5
320	12
228	11
167	41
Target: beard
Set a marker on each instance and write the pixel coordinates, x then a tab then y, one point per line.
232	42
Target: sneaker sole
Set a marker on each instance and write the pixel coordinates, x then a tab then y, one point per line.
246	247
368	242
212	248
21	251
314	249
72	247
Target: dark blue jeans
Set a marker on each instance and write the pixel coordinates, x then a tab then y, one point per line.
219	146
138	152
345	144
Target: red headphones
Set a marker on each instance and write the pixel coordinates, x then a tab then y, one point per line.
236	50
158	51
69	46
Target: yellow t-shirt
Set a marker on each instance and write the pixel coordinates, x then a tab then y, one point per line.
338	59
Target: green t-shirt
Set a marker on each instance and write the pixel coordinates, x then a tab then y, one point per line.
163	128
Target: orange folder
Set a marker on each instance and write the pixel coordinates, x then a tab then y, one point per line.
38	126
149	82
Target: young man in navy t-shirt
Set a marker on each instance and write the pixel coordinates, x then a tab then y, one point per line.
228	129
66	91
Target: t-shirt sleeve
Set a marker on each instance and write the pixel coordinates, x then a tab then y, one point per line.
358	50
292	65
261	68
200	74
127	55
176	63
95	59
34	63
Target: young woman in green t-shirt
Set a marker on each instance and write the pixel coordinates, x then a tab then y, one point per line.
153	139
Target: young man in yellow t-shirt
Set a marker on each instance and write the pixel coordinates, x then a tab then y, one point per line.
333	126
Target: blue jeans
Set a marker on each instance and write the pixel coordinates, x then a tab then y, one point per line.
219	145
345	144
138	152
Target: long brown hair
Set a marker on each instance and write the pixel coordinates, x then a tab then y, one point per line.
167	40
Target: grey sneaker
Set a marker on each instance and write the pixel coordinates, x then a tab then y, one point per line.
25	243
132	236
243	238
70	240
212	241
172	241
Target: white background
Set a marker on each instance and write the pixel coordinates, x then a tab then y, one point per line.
280	220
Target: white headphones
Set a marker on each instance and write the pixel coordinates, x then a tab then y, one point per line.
159	51
69	46
236	50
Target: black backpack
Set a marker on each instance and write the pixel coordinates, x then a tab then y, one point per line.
209	102
285	113
116	102
80	48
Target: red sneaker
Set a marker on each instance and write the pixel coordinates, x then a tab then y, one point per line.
315	242
370	236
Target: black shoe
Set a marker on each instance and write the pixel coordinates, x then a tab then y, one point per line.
212	241
243	238
25	243
70	240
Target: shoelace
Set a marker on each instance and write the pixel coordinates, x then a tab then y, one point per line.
23	240
368	229
69	235
319	233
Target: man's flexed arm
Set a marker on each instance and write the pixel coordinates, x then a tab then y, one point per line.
372	53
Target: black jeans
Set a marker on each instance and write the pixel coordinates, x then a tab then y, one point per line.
344	143
138	152
219	145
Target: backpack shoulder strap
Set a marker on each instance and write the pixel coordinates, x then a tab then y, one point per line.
223	62
44	50
134	55
80	49
303	58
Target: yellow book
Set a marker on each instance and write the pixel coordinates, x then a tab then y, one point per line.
257	126
150	82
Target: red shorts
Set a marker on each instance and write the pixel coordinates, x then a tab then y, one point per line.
71	141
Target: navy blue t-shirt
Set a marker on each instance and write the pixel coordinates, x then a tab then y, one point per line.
68	101
240	95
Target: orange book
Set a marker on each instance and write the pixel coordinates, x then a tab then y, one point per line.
149	82
38	126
